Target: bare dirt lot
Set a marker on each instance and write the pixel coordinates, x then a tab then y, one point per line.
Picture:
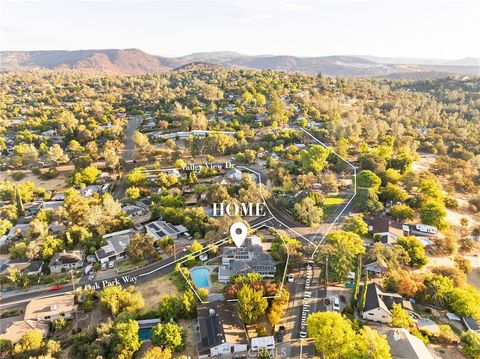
58	183
152	291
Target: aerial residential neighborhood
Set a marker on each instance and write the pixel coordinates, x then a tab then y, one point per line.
222	205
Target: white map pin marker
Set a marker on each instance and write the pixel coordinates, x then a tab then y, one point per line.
238	232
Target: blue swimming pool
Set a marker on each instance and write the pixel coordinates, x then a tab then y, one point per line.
200	277
145	333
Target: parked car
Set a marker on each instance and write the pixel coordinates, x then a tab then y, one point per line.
290	278
55	287
336	304
280	333
104	266
111	264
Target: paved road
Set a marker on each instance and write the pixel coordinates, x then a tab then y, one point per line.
140	275
128	155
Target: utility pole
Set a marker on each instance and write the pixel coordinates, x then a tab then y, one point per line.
326	271
73	281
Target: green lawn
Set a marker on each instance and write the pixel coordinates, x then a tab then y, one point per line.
126	265
330	204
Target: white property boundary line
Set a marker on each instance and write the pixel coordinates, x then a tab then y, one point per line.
341	212
236	300
222	241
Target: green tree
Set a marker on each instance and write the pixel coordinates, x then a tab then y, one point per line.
370	344
433	212
55	154
118	300
169	335
314	159
366	200
400	318
19	203
141	248
125	341
307	212
358	275
415	251
157	353
471	344
251	304
402	212
169	307
368	179
333	334
342	249
30	344
355	224
87	175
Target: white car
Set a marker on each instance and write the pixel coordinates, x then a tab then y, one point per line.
290	278
336	304
111	264
104	266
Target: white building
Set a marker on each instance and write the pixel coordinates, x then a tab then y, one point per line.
378	304
259	343
115	247
67	260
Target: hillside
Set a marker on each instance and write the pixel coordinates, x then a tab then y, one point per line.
134	61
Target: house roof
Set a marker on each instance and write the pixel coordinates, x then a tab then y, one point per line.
219	323
376	267
16	329
116	244
20	264
403	345
66	257
162	229
376	298
383	224
43	307
470	323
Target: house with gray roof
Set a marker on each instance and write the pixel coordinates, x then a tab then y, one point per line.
66	260
249	258
162	229
117	242
221	333
378	304
404	345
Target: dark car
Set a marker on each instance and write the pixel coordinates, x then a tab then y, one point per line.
280	333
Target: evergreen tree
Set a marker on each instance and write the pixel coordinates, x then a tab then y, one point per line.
364	292
358	274
18	198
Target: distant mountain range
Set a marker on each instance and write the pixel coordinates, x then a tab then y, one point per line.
134	61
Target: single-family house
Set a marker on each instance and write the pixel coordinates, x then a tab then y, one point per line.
221	333
67	260
117	242
378	304
233	175
28	267
404	345
162	229
375	269
386	229
14	328
249	258
51	308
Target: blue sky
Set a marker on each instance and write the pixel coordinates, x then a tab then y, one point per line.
429	29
